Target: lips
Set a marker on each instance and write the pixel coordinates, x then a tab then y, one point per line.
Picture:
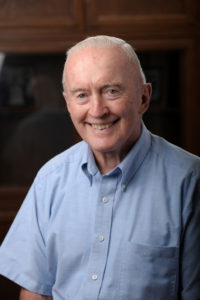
103	126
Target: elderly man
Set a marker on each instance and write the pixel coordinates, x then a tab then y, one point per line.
117	215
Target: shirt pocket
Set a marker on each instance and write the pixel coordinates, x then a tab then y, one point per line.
148	272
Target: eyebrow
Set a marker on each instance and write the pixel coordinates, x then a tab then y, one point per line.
76	90
110	84
104	86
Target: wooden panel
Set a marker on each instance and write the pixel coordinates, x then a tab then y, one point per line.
142	17
39	26
10	201
135	7
198	12
11	198
39	13
9	290
192	104
189	96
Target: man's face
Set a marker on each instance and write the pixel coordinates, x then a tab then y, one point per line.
105	98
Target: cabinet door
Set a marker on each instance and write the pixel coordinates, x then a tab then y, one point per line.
39	13
141	17
34	25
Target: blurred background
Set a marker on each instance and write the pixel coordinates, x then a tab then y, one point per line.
34	123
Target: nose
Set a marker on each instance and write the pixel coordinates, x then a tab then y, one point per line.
98	107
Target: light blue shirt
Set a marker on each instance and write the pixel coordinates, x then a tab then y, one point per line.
132	234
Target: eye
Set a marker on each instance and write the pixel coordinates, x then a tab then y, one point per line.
112	91
81	95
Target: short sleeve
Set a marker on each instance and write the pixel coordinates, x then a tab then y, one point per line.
23	256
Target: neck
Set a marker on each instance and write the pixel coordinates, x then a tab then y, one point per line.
106	162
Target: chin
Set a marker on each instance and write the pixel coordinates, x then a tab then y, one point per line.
103	148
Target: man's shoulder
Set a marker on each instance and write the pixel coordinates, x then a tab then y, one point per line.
69	157
175	155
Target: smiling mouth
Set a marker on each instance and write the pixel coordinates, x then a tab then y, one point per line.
103	126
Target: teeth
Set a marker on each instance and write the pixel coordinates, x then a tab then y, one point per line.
103	126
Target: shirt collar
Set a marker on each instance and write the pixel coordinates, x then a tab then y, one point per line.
130	163
89	166
135	157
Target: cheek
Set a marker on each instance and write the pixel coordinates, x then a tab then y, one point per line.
77	113
125	109
119	107
130	116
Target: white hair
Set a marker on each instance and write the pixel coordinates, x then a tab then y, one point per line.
110	42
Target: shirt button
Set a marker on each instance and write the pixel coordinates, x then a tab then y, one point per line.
101	238
94	277
123	186
105	200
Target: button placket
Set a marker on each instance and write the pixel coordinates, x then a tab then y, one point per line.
99	252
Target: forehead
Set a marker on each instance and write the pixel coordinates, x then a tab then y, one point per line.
96	52
93	61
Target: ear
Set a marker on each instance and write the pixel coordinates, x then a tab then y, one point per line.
146	96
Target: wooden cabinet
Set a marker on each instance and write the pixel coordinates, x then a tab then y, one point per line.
10	201
36	13
34	25
143	18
